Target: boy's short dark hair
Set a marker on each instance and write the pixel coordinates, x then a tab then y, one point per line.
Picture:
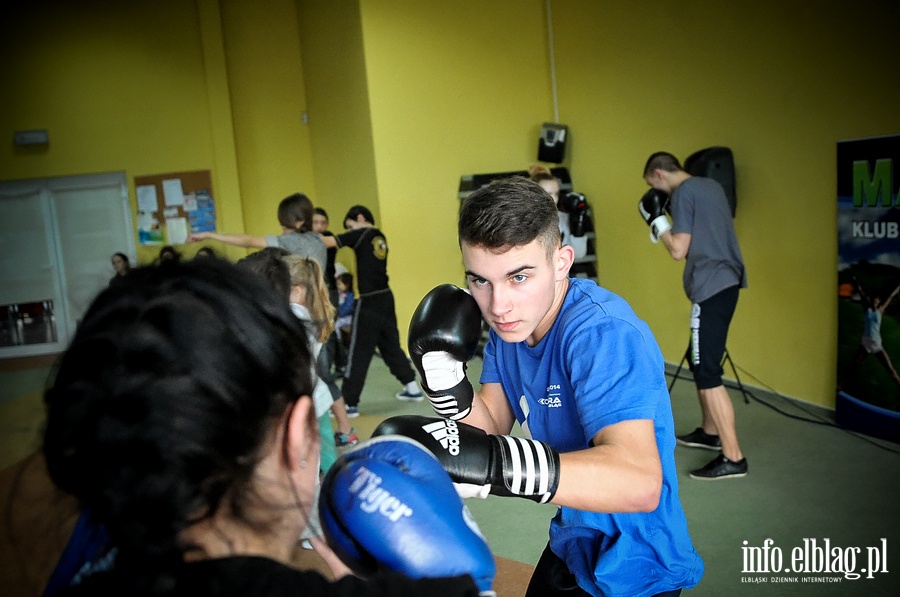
360	210
509	212
321	211
662	160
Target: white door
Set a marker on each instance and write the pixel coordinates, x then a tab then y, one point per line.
56	239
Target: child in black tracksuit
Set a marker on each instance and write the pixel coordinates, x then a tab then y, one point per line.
374	317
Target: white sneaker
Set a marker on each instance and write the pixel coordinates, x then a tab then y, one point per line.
407	396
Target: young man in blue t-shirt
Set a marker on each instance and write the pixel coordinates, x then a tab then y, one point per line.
582	375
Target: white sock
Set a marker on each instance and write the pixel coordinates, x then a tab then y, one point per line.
413	388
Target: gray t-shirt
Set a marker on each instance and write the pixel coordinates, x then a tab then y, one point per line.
714	262
305	244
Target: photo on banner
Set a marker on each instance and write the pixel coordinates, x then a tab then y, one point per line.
868	367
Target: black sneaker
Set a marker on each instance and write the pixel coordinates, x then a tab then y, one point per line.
700	439
721	468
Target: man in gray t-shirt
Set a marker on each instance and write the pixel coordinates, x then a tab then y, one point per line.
702	234
713	262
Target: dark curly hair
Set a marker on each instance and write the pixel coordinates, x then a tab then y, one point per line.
158	411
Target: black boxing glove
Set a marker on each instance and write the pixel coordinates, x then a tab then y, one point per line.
575	204
482	464
652	208
443	337
579	222
570	202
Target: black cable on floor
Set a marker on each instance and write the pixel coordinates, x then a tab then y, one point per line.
816	420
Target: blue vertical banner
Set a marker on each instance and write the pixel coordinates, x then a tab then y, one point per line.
868	367
202	213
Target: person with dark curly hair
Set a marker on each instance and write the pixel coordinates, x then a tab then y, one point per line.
180	418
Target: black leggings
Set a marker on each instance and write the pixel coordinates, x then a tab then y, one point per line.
709	330
552	577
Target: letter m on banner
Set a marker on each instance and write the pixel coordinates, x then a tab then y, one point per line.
872	188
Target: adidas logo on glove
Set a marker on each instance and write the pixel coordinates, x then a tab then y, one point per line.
446	433
482	463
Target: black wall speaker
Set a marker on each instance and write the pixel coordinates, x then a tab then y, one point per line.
716	163
552	144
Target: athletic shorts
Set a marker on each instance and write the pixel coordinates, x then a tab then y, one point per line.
709	330
552	578
871	345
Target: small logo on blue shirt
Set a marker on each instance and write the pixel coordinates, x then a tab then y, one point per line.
552	400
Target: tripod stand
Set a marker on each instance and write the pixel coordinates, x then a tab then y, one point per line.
726	357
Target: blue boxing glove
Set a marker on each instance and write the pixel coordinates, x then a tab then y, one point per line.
389	505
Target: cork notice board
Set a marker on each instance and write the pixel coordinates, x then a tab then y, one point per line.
171	206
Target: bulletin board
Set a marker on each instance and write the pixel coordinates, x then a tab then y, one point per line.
172	206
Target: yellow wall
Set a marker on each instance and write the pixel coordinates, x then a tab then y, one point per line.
99	95
338	104
462	88
780	84
157	87
268	100
404	97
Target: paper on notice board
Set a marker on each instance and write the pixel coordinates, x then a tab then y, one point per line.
146	198
149	230
173	192
177	230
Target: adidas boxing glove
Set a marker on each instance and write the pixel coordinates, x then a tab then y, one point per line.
482	464
443	337
388	505
652	208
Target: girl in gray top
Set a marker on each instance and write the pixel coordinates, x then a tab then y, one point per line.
295	214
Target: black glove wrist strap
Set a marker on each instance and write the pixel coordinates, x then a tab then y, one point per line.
528	468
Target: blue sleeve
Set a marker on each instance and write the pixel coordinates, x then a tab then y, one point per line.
624	382
345	308
489	372
87	551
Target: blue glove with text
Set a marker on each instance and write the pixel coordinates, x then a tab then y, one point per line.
389	505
